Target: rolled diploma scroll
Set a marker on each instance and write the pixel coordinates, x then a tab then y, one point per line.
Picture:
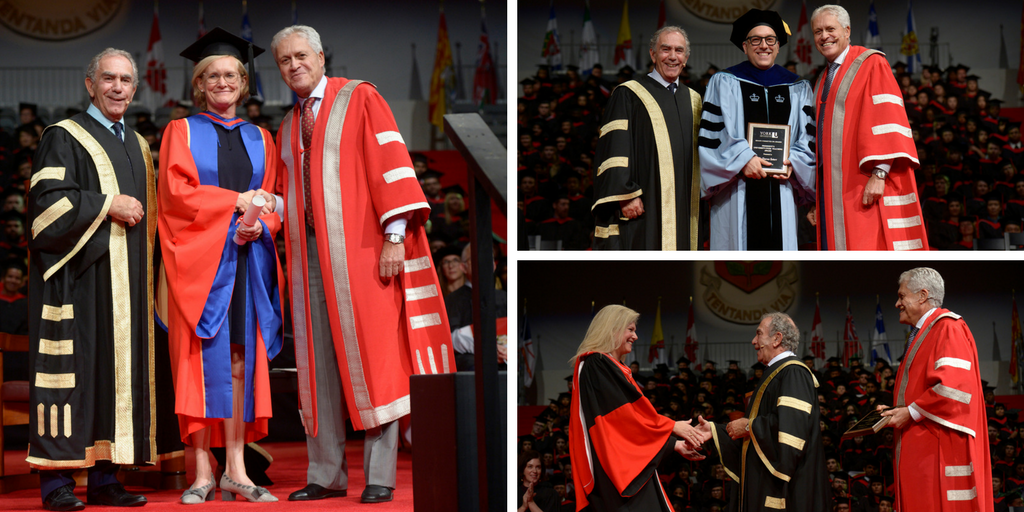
252	215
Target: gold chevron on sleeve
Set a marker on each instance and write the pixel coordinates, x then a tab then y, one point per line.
48	173
50	215
791	440
795	403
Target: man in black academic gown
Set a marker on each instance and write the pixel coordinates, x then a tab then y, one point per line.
92	208
647	184
775	450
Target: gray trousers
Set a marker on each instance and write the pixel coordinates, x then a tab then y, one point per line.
328	466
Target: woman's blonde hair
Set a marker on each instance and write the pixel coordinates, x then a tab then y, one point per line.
199	97
605	331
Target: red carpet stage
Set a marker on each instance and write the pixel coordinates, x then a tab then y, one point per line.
288	472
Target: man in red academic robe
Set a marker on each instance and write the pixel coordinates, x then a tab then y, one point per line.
942	455
867	198
365	301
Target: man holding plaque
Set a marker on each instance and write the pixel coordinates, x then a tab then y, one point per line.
866	195
646	186
775	452
942	453
753	199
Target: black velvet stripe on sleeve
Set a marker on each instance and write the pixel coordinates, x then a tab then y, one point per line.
810	129
705	142
812	146
711	108
809	111
711	127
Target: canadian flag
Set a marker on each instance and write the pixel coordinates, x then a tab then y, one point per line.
156	73
804	43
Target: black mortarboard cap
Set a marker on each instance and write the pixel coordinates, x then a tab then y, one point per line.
31	106
221	42
455	189
973	77
755	18
661	367
430	173
995	101
527	81
683	360
572	67
544	67
568	378
963	67
712	363
626	71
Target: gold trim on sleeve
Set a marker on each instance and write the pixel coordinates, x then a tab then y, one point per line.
615	161
41	419
795	403
610	126
55	380
791	440
605	232
697	106
50	215
56	314
56	347
621	197
48	173
776	503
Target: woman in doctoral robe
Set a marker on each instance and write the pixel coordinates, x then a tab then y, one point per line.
617	438
224	301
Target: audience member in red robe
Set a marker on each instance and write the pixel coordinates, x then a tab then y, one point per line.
616	437
942	455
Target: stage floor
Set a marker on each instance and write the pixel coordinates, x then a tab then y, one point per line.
288	472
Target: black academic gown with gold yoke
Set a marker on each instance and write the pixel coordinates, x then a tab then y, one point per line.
91	296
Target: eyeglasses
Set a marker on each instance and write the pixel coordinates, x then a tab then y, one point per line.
756	40
451	263
214	78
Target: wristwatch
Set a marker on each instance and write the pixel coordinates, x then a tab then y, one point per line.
880	173
394	238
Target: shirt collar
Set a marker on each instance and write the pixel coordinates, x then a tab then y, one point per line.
920	323
657	77
318	91
842	56
94	111
781	357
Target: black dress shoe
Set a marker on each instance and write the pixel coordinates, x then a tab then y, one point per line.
376	494
315	492
114	495
62	498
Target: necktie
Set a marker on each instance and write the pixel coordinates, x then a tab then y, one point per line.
307	141
913	332
672	87
117	131
832	67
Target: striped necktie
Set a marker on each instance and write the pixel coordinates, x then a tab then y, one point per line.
672	87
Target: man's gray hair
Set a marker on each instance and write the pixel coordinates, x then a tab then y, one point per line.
312	37
782	323
669	28
924	278
94	64
841	15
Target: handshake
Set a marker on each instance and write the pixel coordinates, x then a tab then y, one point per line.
692	437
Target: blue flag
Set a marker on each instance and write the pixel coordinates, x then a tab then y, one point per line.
873	39
247	35
879	343
910	47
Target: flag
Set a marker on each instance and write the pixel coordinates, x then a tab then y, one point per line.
1020	68
910	47
441	78
804	42
879	343
552	51
657	354
873	39
691	336
817	333
624	44
415	85
485	80
1016	346
247	35
527	352
661	13
156	73
588	46
851	345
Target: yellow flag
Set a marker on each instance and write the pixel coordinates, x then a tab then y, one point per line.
441	78
624	44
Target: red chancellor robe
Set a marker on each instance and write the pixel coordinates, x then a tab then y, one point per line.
194	225
942	461
866	123
384	330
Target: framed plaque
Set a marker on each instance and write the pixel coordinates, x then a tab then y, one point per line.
771	142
